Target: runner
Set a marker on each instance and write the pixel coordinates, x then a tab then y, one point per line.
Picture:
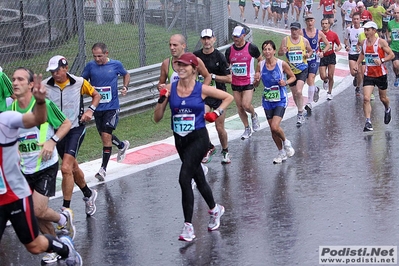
328	10
216	64
297	50
241	56
66	91
39	158
377	13
274	98
376	52
365	15
241	5
266	7
298	8
328	57
393	39
186	101
16	203
103	73
177	46
308	8
353	49
347	7
256	5
314	36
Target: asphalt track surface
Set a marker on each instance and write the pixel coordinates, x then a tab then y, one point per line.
340	188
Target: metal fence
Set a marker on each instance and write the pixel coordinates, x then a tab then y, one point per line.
136	31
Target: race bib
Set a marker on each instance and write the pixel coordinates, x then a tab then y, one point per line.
328	8
354	48
295	57
313	56
272	94
239	69
105	93
3	187
183	123
28	144
395	34
323	45
309	2
348	11
386	19
369	58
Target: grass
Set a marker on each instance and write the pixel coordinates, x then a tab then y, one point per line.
140	129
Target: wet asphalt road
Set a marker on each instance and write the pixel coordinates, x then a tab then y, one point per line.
340	188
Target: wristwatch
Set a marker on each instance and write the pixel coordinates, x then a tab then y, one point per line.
383	60
55	138
213	76
221	111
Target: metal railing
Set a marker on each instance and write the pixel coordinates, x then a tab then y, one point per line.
143	93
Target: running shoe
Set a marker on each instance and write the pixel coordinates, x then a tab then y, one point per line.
255	123
91	203
281	157
308	108
8	223
325	85
387	116
214	220
357	91
372	97
256	20
289	150
316	95
68	228
101	174
247	133
122	152
50	258
368	127
74	258
300	119
396	83
329	96
226	158
187	233
205	169
208	156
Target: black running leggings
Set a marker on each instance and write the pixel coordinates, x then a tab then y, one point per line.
191	149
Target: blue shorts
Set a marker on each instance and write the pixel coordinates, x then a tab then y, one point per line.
313	67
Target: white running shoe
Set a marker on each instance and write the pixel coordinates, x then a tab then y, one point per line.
247	133
289	150
187	233
215	214
101	174
50	258
91	203
281	157
122	152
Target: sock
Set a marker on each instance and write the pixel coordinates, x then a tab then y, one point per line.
311	90
285	142
387	110
66	203
368	120
86	191
106	155
225	150
117	142
62	220
55	245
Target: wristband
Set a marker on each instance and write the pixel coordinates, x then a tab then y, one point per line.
221	111
55	138
92	107
40	103
125	87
